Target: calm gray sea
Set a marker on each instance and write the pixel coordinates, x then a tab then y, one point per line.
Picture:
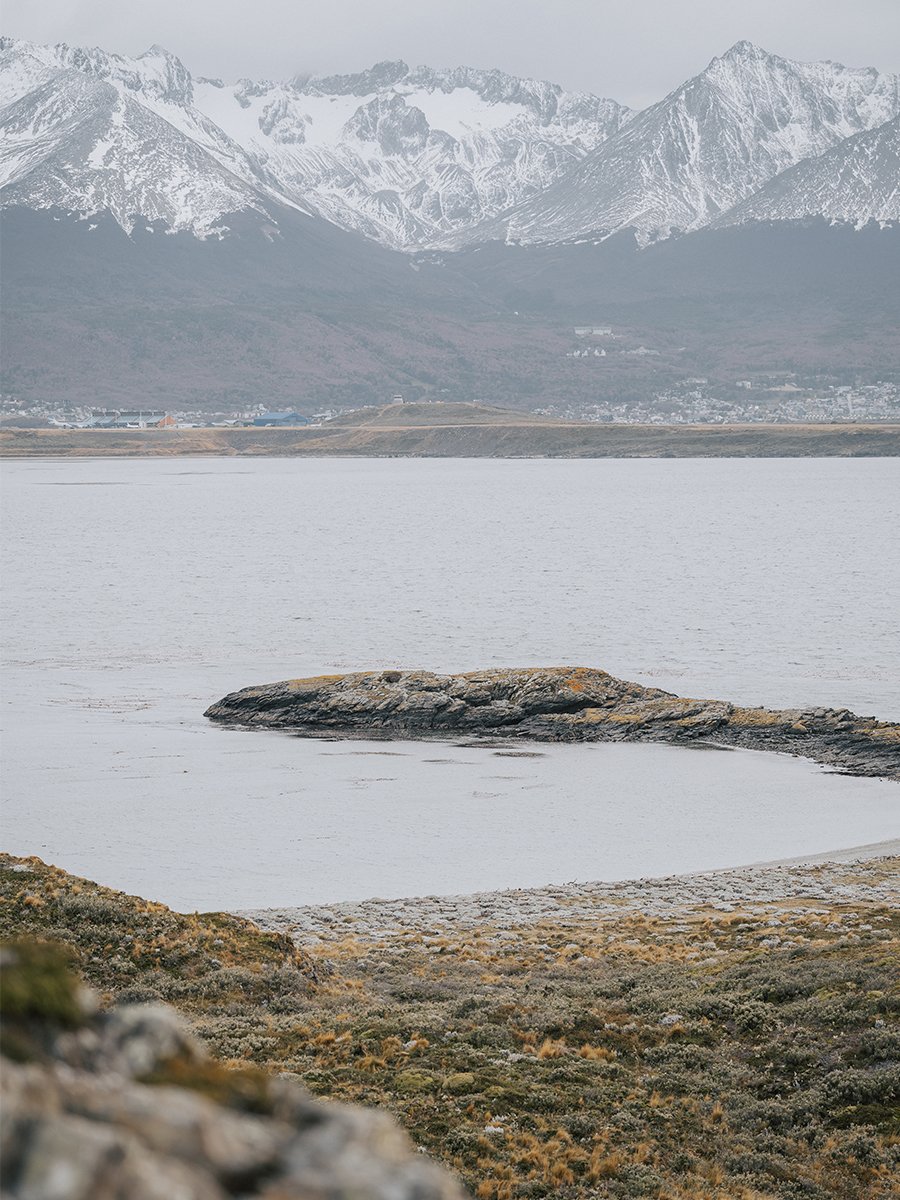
135	592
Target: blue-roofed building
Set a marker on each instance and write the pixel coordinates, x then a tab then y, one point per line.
281	418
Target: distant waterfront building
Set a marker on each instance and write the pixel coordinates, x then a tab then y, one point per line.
280	418
593	331
139	419
134	418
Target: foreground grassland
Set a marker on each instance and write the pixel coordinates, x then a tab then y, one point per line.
738	1050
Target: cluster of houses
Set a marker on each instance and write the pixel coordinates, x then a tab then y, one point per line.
157	419
768	398
603	332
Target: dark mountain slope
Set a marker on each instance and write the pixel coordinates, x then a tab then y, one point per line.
304	314
775	295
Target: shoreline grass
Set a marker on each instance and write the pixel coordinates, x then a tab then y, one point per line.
734	1052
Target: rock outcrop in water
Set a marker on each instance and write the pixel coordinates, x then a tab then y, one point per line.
563	704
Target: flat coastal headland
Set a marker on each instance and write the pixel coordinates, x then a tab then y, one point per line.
463	431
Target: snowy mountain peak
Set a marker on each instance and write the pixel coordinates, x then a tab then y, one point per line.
743	51
429	157
710	144
157	72
166	75
86	132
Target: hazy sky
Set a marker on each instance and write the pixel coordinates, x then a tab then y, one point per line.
632	50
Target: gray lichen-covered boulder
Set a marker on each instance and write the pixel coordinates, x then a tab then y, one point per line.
554	704
128	1106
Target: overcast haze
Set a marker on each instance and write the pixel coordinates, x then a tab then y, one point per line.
634	52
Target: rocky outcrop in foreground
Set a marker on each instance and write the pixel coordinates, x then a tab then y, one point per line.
127	1104
563	704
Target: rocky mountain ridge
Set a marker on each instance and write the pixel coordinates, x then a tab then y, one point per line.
403	156
858	180
418	158
709	145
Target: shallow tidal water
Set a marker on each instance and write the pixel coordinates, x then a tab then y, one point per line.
136	592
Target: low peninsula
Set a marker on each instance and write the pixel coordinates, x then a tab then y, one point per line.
453	430
555	704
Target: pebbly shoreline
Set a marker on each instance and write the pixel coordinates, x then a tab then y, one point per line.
869	875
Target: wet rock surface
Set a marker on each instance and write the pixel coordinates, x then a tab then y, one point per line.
562	704
128	1104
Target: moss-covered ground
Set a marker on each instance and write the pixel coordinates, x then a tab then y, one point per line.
734	1055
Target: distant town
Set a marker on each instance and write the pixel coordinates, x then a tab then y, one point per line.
775	398
15	412
781	398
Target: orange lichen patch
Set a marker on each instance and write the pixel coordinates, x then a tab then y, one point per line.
315	680
593	715
755	716
888	733
575	681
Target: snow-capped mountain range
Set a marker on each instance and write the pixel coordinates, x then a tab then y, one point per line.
406	157
710	145
420	159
